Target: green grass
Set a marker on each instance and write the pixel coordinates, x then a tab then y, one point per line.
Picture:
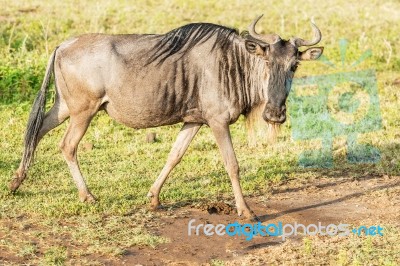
122	166
30	30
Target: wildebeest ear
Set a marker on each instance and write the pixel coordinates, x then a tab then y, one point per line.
255	48
312	53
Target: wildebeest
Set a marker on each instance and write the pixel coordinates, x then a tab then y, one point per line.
197	74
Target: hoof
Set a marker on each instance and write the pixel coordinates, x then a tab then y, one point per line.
14	185
16	182
154	202
87	197
157	207
249	215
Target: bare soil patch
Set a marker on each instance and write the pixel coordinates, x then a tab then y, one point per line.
370	200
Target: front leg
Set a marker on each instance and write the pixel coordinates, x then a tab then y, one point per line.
224	142
179	148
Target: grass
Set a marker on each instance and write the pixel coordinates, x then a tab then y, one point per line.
121	166
31	29
317	250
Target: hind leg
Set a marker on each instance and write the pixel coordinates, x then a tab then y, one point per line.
69	145
53	118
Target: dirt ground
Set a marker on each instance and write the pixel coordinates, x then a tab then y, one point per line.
370	200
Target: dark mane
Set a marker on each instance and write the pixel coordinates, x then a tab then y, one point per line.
183	39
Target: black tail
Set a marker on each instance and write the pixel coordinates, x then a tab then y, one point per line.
36	117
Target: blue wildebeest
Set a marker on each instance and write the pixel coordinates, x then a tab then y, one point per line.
197	74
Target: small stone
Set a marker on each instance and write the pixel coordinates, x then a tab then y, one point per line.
151	137
87	146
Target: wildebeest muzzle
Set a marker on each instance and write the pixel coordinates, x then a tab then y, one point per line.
274	114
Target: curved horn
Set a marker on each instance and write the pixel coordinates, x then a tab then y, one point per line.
270	38
316	39
252	28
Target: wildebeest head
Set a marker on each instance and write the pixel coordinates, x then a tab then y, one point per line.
281	58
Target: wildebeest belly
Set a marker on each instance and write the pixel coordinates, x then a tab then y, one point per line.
146	101
139	116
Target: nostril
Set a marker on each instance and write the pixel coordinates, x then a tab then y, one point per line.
274	113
